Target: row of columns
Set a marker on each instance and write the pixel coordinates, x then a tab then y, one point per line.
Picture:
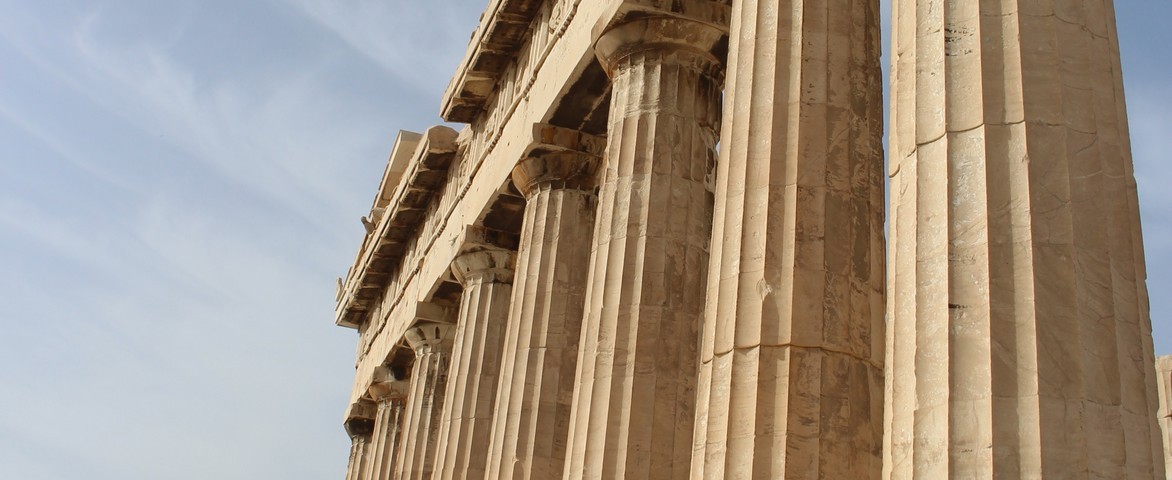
671	315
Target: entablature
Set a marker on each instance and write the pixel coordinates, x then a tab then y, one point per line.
384	245
504	27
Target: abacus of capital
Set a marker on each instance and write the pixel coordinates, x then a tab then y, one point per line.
581	284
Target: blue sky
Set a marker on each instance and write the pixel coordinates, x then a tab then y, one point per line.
180	184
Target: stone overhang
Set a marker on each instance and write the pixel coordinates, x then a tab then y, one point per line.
403	211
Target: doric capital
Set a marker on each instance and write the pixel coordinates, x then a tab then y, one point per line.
701	43
565	170
360	418
359	427
426	337
389	383
485	266
563	157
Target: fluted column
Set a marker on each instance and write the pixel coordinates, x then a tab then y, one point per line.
1164	413
537	386
1020	344
390	394
432	343
465	432
791	379
359	429
633	403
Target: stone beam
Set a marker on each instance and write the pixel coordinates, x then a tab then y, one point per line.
400	158
404	211
714	13
476	238
554	139
503	30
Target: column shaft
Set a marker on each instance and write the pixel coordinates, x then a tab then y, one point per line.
467	417
1020	343
791	379
1164	414
533	404
359	454
360	426
633	403
433	345
385	440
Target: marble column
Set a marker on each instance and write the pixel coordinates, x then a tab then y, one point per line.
634	400
1164	413
537	386
432	343
1020	343
360	430
465	431
390	394
791	375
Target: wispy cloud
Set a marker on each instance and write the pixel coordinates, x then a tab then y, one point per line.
417	42
195	304
248	133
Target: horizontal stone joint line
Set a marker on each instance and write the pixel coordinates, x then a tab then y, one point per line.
785	345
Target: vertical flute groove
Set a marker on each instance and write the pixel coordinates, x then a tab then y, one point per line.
1009	133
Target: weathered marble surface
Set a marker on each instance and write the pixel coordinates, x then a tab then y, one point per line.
432	344
541	354
636	377
467	418
1164	414
390	395
1020	344
791	382
359	427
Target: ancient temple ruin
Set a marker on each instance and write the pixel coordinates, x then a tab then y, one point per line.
580	284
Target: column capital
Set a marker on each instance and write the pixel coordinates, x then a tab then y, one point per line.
360	418
389	383
485	266
707	44
426	336
564	157
568	170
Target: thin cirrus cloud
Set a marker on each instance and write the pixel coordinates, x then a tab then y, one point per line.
172	215
417	42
